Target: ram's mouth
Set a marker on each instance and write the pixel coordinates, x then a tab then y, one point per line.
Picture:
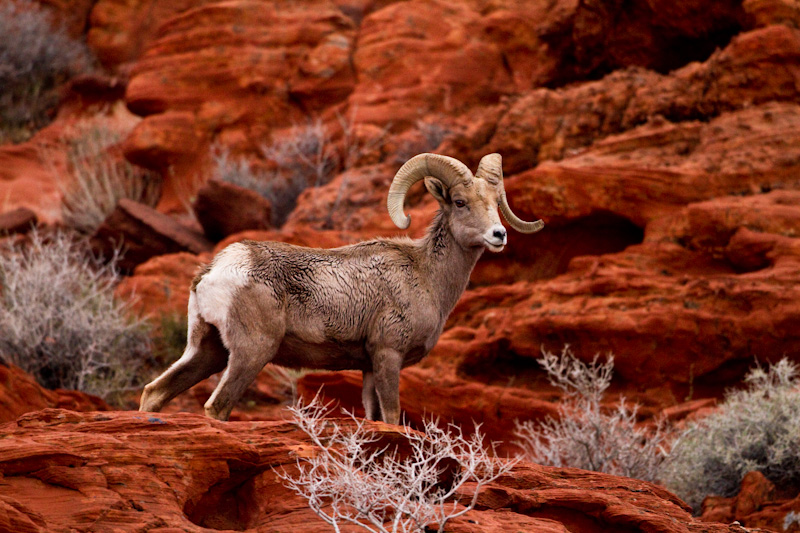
494	247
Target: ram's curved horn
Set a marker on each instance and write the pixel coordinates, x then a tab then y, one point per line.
491	169
447	169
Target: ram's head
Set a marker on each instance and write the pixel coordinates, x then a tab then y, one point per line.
470	202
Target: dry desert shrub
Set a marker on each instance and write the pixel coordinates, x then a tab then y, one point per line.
60	321
352	479
98	177
305	157
586	435
757	428
36	56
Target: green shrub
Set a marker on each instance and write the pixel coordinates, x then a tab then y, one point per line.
36	56
60	321
587	436
757	428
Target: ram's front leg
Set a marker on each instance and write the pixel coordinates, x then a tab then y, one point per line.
369	397
386	364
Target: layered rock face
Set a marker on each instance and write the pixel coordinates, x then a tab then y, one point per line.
659	141
141	472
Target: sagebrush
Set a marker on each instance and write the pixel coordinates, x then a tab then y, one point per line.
586	435
60	321
757	428
98	177
36	56
352	479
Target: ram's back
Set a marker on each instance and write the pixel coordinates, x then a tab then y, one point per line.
335	301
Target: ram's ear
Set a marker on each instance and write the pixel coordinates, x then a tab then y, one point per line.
437	189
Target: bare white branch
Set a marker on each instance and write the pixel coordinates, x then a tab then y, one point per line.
353	479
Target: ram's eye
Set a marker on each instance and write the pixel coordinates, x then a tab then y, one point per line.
460	203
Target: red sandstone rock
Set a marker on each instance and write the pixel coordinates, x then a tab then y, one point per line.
416	57
775	516
20	394
757	505
130	471
22	172
19	220
638	179
355	200
72	14
144	233
768	12
551	124
756	490
217	61
224	209
33	173
487	51
717	509
160	285
120	30
670	198
671	317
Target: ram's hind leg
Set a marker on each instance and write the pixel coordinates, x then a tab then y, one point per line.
252	331
204	355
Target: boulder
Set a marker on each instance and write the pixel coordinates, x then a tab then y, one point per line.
757	505
141	233
223	209
20	394
756	490
19	220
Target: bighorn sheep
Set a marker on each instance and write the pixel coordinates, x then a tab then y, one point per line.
376	306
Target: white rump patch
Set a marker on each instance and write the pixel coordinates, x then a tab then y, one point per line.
217	289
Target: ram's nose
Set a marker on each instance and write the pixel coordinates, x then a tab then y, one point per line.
495	238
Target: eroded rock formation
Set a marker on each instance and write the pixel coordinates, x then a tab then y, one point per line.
658	141
138	471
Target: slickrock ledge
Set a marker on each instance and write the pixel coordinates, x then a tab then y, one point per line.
130	471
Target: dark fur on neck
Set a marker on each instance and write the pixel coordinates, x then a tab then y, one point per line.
450	263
